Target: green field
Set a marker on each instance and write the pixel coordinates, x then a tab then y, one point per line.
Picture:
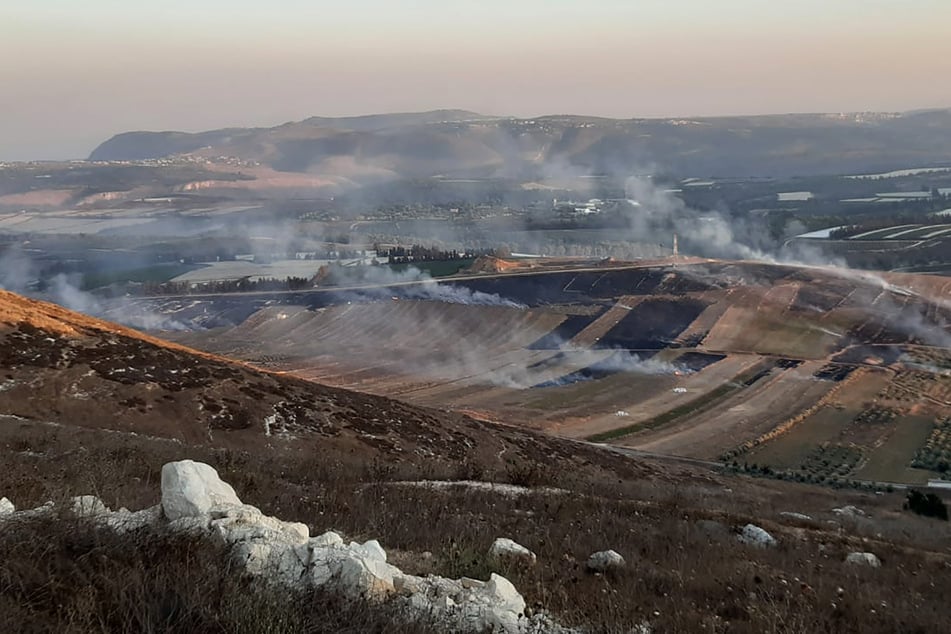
792	449
155	273
891	462
821	446
435	268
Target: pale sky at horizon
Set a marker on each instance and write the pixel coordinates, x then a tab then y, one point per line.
75	72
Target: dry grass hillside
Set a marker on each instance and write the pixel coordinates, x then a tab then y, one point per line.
91	408
686	571
62	367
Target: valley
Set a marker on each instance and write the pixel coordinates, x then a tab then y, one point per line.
720	361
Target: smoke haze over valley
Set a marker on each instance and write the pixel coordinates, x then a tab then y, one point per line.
521	317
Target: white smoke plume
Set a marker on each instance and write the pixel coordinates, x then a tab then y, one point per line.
19	274
380	281
68	295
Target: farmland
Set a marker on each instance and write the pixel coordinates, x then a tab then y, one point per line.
802	370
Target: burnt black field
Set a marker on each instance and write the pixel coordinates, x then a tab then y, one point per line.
652	324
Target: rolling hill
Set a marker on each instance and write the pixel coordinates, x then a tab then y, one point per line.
463	144
710	360
61	367
90	407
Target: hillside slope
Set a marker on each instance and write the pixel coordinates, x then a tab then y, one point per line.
62	367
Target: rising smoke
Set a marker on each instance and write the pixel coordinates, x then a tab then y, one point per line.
20	274
376	282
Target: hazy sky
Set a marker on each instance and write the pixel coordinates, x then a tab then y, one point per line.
74	72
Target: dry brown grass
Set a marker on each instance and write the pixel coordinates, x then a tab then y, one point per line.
680	578
67	575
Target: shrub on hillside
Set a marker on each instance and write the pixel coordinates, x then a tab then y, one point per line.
927	504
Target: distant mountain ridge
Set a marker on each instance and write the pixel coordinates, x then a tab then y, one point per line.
458	143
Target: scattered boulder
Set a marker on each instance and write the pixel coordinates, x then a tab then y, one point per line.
849	511
863	559
505	551
605	560
753	535
191	489
6	507
796	516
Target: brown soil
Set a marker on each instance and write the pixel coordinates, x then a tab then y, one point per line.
490	264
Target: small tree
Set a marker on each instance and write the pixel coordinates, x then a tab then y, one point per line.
927	504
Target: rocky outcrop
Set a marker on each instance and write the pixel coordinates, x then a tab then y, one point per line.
191	489
196	501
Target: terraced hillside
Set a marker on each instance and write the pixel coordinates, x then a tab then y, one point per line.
706	359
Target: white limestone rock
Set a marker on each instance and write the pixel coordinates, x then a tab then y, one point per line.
324	565
503	594
366	577
241	524
796	516
329	539
470	584
496	607
605	560
89	506
408	585
44	510
277	563
195	526
192	489
196	502
370	550
504	550
124	521
849	511
863	559
753	535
